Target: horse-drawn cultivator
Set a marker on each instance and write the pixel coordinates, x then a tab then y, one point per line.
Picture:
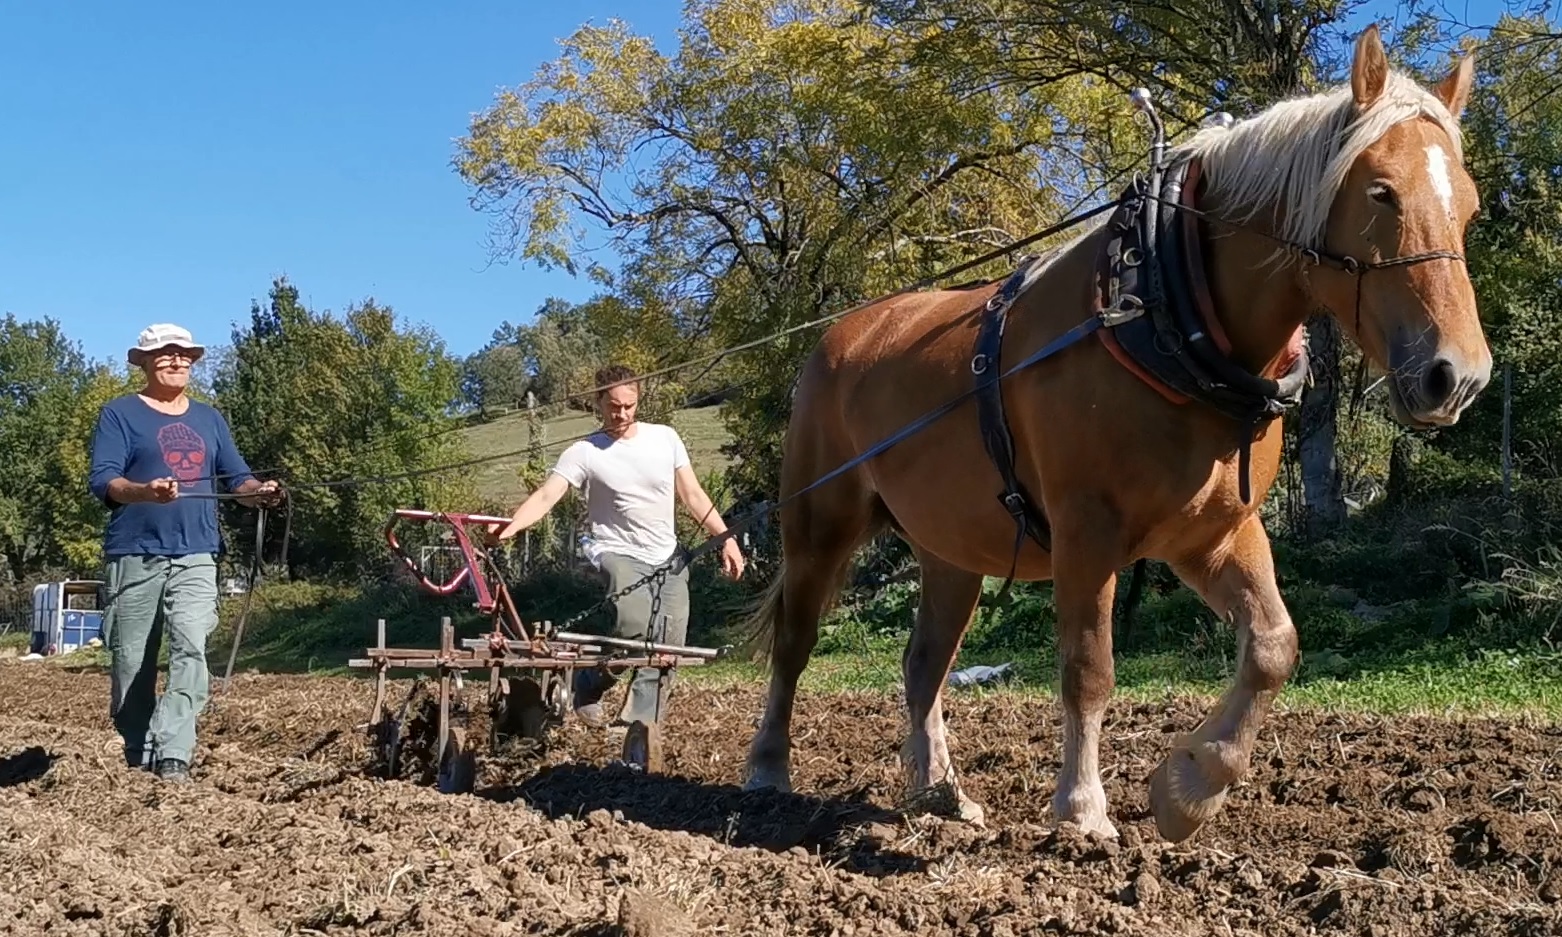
530	669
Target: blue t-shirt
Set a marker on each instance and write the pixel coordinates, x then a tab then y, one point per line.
137	443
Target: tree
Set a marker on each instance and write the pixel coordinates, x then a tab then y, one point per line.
42	378
345	409
77	519
1195	56
494	379
563	352
786	160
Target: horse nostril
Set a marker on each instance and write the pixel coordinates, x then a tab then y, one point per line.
1438	383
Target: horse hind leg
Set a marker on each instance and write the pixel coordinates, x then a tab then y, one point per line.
949	597
1189	787
816	550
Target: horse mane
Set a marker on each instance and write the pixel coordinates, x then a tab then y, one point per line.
1293	157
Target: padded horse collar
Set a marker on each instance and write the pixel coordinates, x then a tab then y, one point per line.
1152	275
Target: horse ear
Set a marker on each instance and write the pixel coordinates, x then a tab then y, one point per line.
1454	90
1369	72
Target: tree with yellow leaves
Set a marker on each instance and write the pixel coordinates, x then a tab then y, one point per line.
787	160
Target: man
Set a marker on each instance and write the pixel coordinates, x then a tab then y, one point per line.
631	472
149	449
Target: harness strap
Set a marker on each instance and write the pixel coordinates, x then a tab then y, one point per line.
1028	519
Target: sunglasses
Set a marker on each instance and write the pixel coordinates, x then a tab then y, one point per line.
179	353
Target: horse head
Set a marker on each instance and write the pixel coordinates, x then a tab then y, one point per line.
1407	197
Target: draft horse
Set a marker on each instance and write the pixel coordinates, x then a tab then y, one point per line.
1146	441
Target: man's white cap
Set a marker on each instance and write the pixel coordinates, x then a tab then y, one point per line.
163	335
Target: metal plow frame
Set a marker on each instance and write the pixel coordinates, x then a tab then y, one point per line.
525	705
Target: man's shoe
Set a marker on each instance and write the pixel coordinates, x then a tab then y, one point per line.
173	769
586	692
592	715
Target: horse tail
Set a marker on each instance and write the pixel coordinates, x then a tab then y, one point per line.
764	617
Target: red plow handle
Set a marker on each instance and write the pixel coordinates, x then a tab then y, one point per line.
458	523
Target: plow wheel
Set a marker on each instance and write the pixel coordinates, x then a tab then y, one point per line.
643	746
411	744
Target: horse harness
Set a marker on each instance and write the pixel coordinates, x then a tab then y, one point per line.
1155	313
1158	320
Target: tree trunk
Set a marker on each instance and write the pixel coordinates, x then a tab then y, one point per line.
1316	431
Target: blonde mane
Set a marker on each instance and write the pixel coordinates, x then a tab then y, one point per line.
1293	157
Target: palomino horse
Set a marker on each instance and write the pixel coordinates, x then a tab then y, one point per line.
1128	459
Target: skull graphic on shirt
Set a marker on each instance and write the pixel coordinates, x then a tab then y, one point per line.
183	450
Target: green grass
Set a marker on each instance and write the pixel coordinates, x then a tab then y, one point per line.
1452	681
701	429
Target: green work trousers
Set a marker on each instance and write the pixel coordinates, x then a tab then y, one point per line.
148	597
648	690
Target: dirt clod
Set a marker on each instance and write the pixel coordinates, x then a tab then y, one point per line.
645	915
1145	889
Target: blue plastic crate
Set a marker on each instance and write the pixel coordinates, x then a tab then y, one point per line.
80	626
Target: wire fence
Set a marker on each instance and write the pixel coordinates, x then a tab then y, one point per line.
16	615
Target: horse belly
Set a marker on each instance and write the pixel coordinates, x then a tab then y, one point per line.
942	491
881	373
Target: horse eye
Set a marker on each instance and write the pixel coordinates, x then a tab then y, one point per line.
1381	193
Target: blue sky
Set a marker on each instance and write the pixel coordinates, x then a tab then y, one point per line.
163	162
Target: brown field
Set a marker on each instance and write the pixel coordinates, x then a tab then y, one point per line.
1347	825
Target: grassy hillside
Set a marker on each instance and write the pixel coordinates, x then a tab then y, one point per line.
701	429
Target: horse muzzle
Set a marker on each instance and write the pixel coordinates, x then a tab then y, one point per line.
1432	387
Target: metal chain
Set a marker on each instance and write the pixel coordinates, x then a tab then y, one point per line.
652	633
657	576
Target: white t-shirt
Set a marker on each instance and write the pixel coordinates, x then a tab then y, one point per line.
628	484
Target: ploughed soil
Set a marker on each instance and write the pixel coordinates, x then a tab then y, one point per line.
1346	825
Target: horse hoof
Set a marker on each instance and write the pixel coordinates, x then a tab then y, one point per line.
944	800
971	812
1180	796
768	780
1100	826
1085	812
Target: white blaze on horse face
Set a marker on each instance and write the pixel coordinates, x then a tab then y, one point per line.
1442	182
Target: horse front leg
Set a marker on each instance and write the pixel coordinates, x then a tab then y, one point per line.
1238	583
1084	584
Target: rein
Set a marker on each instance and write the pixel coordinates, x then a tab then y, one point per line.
1342	262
